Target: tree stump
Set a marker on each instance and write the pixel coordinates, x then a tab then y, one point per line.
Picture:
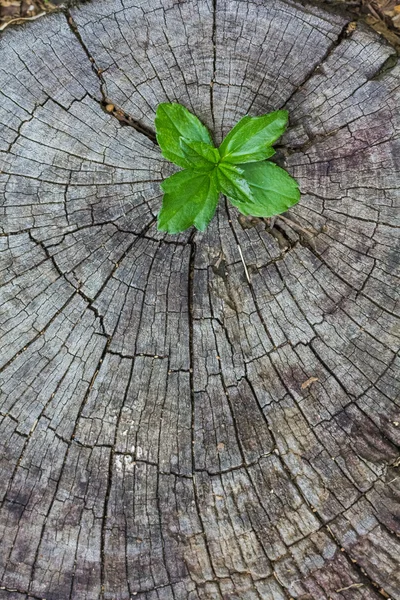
203	416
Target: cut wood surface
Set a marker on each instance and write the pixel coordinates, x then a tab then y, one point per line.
209	416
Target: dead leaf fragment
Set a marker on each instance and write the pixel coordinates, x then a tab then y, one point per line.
307	383
351	27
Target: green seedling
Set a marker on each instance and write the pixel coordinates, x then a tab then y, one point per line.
239	168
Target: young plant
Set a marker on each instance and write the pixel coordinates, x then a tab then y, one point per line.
239	168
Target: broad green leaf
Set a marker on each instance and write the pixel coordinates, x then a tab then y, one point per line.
274	190
251	138
239	168
173	122
202	156
190	199
232	184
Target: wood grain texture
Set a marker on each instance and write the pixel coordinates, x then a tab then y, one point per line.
170	430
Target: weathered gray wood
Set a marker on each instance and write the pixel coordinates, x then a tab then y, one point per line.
169	429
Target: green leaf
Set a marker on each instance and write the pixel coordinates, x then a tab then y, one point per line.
190	199
173	122
202	156
251	138
273	189
238	168
232	184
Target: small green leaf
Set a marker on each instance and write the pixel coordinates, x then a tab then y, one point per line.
251	138
274	190
239	168
190	198
202	156
232	184
173	122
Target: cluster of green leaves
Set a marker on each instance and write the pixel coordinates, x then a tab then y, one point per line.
238	168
